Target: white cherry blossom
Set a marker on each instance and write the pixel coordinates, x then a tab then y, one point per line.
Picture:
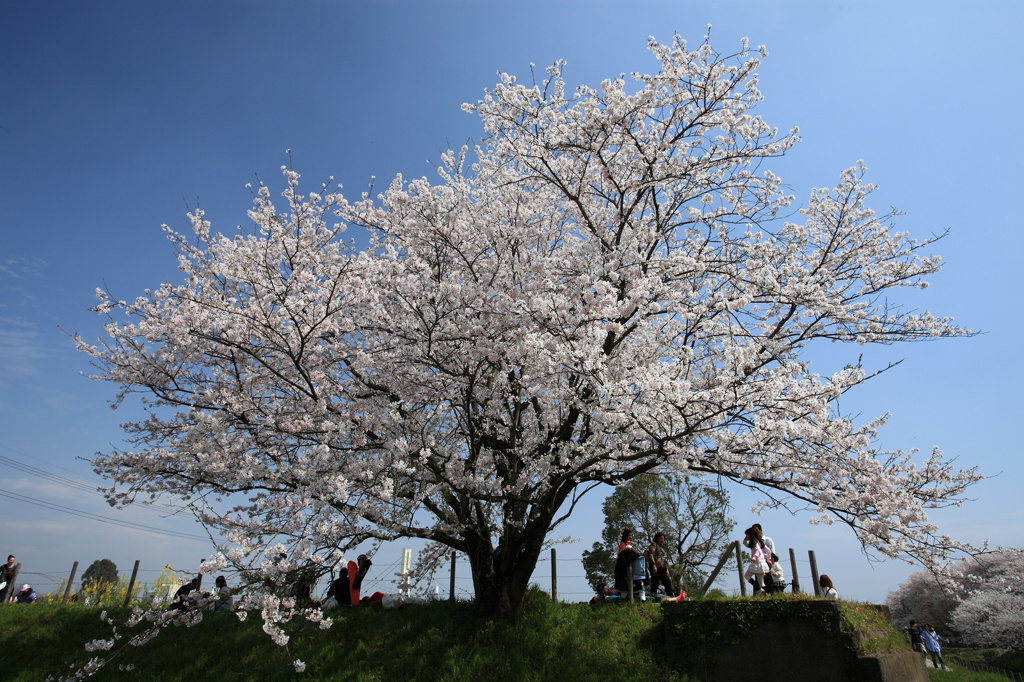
611	283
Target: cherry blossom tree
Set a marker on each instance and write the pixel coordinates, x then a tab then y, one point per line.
981	598
992	612
610	283
927	597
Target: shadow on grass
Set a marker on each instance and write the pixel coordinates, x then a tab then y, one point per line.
439	641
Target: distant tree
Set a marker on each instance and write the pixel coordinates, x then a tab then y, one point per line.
690	513
991	613
597	564
101	585
99	571
981	599
925	598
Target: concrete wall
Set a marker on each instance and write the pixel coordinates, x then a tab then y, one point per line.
808	647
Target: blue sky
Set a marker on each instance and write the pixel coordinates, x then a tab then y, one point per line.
118	116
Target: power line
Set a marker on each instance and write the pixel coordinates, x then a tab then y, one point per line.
35	471
63	480
97	517
25	454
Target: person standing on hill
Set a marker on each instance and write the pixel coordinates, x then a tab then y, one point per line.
626	541
7	576
768	542
659	566
774	568
932	646
760	558
914	631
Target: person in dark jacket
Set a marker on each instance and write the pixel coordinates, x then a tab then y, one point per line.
626	558
7	575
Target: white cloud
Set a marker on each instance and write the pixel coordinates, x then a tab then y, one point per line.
21	347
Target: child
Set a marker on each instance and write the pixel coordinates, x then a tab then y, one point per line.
760	557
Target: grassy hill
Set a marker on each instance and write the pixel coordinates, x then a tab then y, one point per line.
440	641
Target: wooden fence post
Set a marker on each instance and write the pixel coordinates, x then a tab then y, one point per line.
71	580
726	555
554	577
131	583
814	572
12	585
739	569
629	579
795	583
451	583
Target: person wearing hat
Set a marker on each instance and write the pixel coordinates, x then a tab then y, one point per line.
27	595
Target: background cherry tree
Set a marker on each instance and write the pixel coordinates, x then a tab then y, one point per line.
611	283
979	599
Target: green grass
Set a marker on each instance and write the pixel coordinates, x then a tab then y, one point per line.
957	674
1012	661
441	641
880	637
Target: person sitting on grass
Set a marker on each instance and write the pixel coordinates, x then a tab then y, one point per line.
224	598
828	590
27	595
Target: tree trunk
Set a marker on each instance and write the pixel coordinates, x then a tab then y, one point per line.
501	575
